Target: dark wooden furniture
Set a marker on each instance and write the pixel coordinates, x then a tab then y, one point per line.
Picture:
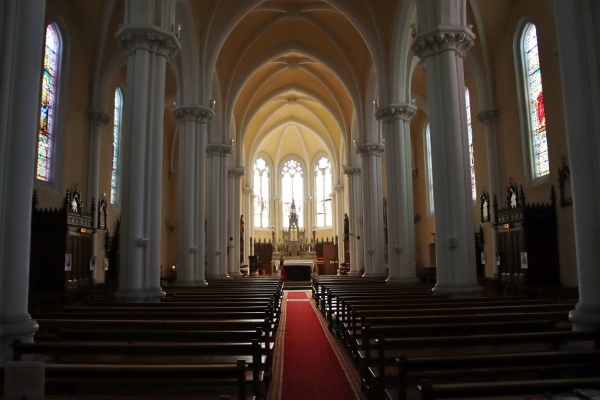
527	239
56	233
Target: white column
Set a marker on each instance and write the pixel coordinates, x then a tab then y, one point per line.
201	183
488	118
216	243
22	47
373	240
234	177
441	42
338	220
400	224
248	221
578	49
190	119
355	219
97	119
148	49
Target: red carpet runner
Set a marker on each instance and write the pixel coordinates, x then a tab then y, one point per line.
309	364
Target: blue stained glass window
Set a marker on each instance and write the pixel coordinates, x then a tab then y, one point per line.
261	193
292	189
470	136
48	104
537	114
323	187
114	177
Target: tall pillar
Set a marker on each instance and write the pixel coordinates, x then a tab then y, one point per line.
248	221
373	240
22	47
234	177
488	118
338	219
97	120
148	47
578	37
400	225
355	220
190	119
216	228
441	42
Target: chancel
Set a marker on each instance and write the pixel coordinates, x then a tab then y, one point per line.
179	168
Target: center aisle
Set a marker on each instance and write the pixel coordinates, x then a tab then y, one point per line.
308	362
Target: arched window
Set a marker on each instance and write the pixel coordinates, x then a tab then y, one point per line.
429	170
323	188
470	137
261	193
114	177
48	104
533	115
292	191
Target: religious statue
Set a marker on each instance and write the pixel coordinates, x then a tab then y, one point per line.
346	227
242	225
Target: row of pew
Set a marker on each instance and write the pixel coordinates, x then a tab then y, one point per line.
408	343
211	342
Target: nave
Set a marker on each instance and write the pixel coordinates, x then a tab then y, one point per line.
348	338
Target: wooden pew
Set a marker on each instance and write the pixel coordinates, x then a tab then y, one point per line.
194	353
455	369
455	348
134	381
482	390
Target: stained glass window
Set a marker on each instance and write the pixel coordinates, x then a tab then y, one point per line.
261	193
537	114
292	189
323	188
470	137
429	169
114	177
48	103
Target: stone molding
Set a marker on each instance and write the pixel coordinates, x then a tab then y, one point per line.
150	38
443	38
193	113
393	112
488	116
350	170
219	150
98	117
370	149
236	172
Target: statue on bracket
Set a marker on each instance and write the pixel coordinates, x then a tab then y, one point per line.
484	204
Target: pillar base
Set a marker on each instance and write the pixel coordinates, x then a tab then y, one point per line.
371	274
585	318
218	276
456	291
399	280
20	327
236	274
187	284
151	295
354	273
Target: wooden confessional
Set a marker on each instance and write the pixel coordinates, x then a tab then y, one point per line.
527	239
62	244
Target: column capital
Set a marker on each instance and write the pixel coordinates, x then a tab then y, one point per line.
247	189
392	112
236	172
488	116
218	149
148	37
351	170
193	113
338	188
370	149
98	117
443	38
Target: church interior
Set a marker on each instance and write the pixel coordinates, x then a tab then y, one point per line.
158	148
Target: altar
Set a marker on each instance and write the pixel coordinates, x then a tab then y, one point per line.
298	270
